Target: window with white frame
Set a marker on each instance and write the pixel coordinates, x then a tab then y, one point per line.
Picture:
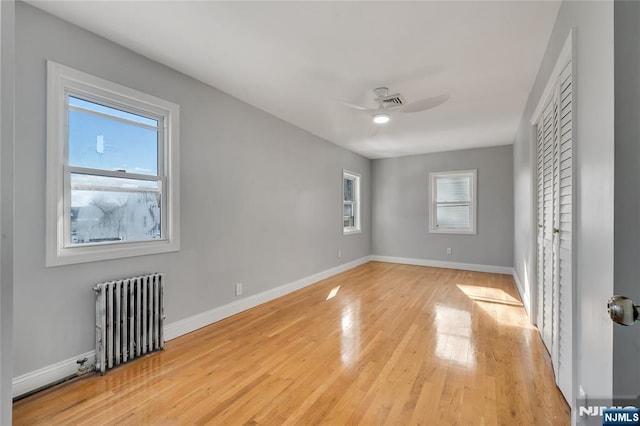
350	202
112	170
452	198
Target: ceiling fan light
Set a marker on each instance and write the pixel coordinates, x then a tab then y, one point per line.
381	118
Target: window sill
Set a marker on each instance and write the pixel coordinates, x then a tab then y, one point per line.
351	231
453	231
73	255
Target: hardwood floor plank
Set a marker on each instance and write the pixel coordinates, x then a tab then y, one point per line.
379	344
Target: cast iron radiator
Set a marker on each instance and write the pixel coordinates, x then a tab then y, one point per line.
129	319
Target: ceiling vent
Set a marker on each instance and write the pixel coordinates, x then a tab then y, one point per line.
392	101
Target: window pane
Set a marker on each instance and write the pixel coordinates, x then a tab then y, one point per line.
348	217
348	189
455	188
92	106
100	142
107	209
453	216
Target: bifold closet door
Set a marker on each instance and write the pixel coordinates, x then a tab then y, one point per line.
554	172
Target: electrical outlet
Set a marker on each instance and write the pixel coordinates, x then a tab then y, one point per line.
339	253
449	251
239	289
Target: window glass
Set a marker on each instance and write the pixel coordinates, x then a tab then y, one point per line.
453	216
105	209
112	139
452	199
115	112
350	202
453	188
348	189
349	220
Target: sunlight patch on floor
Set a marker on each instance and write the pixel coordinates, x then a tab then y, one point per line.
488	294
454	339
333	292
350	336
503	308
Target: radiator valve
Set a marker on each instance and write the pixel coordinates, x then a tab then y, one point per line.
82	367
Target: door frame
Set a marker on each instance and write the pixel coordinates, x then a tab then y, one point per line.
7	137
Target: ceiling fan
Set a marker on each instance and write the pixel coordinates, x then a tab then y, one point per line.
388	104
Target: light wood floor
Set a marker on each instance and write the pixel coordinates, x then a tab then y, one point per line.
396	344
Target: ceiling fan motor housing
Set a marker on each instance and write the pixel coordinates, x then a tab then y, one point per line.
392	101
385	100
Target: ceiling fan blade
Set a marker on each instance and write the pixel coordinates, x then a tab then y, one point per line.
425	104
358	107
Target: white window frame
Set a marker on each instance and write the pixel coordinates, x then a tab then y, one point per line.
62	81
355	177
433	228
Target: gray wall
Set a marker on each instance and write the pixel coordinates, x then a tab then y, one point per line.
400	207
626	340
594	131
7	18
260	198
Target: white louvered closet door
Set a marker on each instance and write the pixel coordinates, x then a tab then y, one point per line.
555	225
540	220
545	227
564	204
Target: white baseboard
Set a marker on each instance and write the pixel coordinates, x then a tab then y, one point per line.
465	267
50	374
187	325
445	264
523	295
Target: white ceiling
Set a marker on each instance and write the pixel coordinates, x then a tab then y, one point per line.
301	61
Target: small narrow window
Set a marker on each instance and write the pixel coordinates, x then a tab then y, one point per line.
453	202
350	202
112	179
